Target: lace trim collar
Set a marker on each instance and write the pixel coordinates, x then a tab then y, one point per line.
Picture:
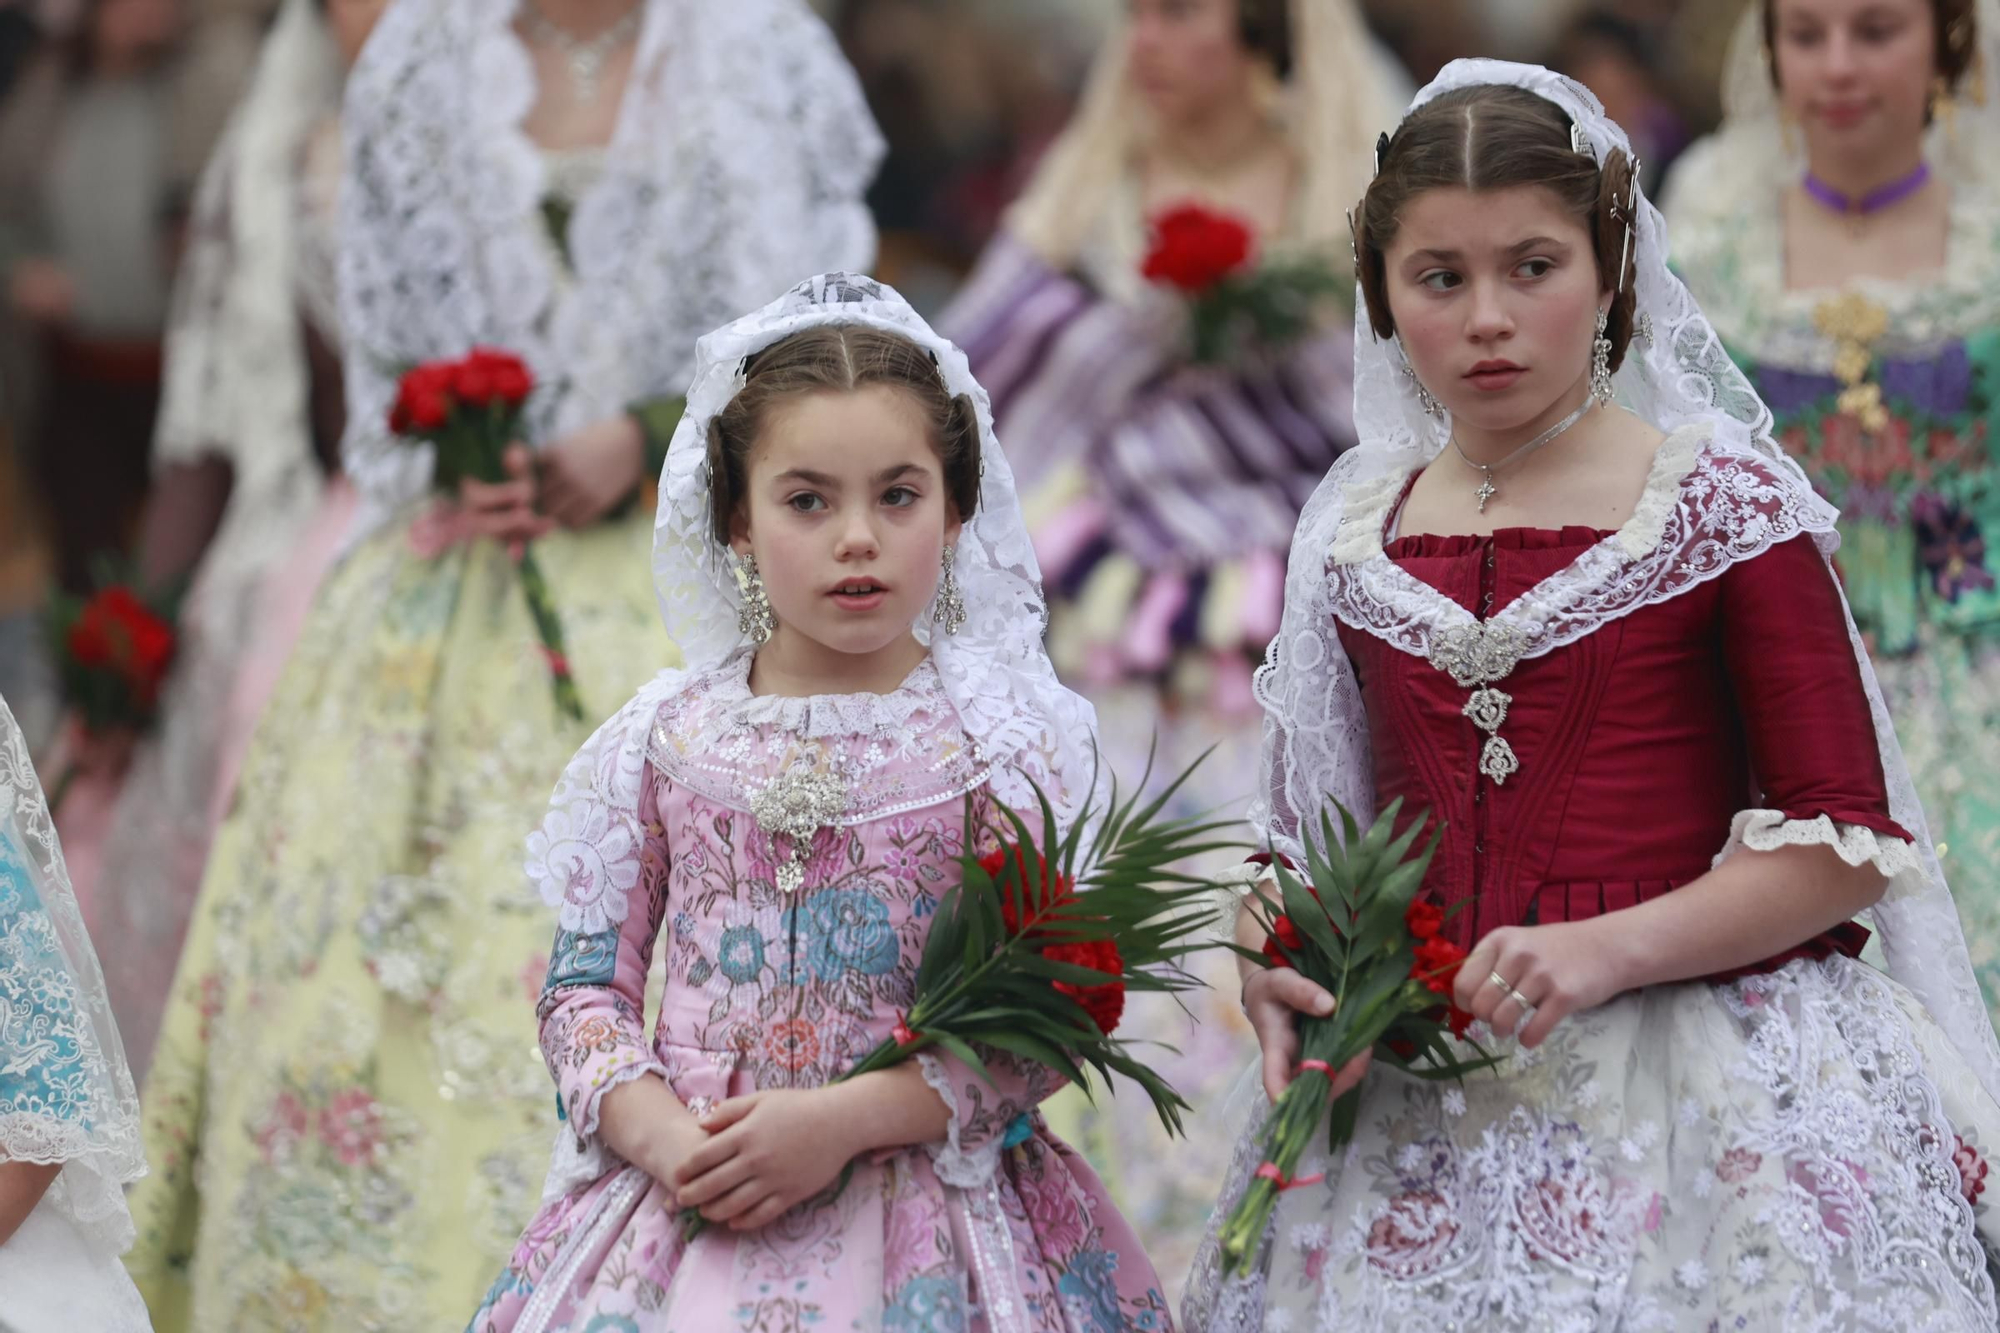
824	716
880	754
1704	509
1737	258
1369	505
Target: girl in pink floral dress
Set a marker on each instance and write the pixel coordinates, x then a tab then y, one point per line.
841	556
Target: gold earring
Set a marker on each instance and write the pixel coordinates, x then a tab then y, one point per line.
1943	106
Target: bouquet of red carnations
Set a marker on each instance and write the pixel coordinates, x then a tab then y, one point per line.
1357	926
1235	302
469	411
113	651
1034	953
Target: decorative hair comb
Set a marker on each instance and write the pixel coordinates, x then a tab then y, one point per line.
1381	150
1579	142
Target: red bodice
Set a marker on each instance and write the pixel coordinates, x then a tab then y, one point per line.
1638	743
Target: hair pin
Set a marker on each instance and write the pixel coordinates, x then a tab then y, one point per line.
1579	142
1381	150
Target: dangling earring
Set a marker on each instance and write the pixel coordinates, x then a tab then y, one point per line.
1425	398
1600	362
949	612
1942	105
755	619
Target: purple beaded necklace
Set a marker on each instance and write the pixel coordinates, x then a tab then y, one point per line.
1875	200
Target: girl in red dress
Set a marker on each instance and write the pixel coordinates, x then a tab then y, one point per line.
1568	596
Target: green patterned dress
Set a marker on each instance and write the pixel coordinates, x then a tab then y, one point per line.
1889	394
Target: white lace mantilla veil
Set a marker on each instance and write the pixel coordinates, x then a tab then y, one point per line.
995	670
1742	495
72	1100
737	167
1748	155
1341	86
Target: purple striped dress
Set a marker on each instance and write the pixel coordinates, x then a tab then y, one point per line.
1168	491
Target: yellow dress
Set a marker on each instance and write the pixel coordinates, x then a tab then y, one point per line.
348	1115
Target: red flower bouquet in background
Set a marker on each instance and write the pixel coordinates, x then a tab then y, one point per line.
469	411
1356	926
113	651
1237	301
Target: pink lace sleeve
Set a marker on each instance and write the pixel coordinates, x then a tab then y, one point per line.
592	1010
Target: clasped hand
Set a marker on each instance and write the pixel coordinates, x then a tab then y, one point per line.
757	1156
1557	969
1550	972
575	481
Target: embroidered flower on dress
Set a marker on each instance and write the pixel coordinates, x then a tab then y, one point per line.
845	930
740	954
351	1125
1951	546
926	1303
793	1043
1738	1165
1972	1168
584	860
1411	1234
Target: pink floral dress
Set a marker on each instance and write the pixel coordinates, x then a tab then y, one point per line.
1000	1228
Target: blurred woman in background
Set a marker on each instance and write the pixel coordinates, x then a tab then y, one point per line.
1842	230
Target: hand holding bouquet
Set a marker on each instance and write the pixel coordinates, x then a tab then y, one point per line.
1035	951
1235	302
113	652
469	411
1356	926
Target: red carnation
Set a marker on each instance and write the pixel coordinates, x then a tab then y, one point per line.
472	382
1194	248
1437	963
1458	1020
1283	932
507	376
1106	1003
89	643
1425	919
1044	892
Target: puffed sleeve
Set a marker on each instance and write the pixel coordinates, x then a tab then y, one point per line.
592	1008
600	859
1811	733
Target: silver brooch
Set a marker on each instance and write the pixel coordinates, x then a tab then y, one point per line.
795	807
1479	653
1476	656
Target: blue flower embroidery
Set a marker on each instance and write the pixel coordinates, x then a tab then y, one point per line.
741	954
612	1323
844	930
926	1305
1089	1292
583	960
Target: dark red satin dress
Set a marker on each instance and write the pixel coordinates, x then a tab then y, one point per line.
1638	743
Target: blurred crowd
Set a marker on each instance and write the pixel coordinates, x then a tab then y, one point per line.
111	107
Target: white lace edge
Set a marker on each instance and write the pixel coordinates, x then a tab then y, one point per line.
956	1166
586	1125
1857	845
1365	513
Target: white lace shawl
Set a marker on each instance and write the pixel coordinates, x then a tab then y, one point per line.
1733	495
70	1096
737	168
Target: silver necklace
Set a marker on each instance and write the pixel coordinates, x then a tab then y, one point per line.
586	56
1486	489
